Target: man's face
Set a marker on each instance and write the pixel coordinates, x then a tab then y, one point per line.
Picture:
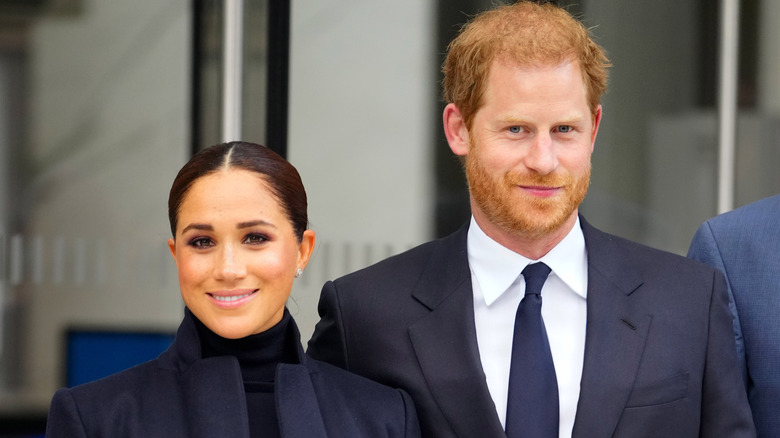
528	164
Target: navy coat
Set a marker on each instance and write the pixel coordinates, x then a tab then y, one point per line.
179	394
659	350
745	245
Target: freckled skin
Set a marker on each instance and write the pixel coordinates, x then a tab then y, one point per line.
527	153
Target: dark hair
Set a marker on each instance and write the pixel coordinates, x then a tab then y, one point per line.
282	178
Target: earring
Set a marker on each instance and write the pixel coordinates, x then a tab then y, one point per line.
298	272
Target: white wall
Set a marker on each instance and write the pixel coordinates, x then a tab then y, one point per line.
362	90
769	61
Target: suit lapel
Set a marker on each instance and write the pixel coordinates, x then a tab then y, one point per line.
615	338
446	345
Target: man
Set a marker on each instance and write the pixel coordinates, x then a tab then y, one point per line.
631	342
745	245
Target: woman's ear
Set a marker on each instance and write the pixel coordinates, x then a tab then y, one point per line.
306	248
172	247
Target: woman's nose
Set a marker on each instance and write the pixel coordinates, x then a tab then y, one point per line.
231	266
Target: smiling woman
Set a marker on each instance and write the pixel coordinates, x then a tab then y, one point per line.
236	253
236	368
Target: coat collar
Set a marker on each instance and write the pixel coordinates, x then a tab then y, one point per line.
214	391
186	349
447	270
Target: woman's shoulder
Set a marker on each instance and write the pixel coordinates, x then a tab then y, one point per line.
133	379
132	401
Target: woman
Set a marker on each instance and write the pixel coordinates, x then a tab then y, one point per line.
236	368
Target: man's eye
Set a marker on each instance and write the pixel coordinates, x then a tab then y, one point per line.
201	242
255	238
515	129
565	129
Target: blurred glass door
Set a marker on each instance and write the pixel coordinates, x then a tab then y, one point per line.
655	165
94	124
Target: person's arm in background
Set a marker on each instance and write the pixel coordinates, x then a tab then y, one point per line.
704	248
725	411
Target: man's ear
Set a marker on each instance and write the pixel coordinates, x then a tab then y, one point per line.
596	124
455	130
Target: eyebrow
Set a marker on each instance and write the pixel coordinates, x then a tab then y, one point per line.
240	225
572	120
566	120
251	224
203	227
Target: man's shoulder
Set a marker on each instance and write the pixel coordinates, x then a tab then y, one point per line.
344	395
412	262
603	245
762	211
336	379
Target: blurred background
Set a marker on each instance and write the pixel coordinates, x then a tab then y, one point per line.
102	101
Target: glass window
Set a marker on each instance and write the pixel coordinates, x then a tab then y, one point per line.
94	124
655	165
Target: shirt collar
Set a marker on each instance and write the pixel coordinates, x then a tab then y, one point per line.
497	267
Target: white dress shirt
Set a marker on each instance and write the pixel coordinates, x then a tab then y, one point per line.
498	288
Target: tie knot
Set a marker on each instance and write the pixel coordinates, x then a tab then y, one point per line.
535	275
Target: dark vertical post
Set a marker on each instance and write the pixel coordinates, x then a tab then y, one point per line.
278	75
195	75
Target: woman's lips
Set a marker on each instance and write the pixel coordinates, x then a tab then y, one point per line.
230	299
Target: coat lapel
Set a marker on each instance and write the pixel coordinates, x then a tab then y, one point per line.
615	338
215	379
212	391
446	345
299	411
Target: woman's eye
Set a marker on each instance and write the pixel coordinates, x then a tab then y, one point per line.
255	239
201	242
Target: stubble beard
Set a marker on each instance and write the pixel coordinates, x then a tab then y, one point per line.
517	213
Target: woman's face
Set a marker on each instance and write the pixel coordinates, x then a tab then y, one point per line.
236	253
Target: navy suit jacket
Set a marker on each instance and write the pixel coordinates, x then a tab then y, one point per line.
745	245
181	395
659	351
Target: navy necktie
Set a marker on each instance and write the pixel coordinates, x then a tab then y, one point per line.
532	406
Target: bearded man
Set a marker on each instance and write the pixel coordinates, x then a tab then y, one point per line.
528	321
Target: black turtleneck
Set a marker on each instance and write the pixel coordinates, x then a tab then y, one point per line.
258	355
